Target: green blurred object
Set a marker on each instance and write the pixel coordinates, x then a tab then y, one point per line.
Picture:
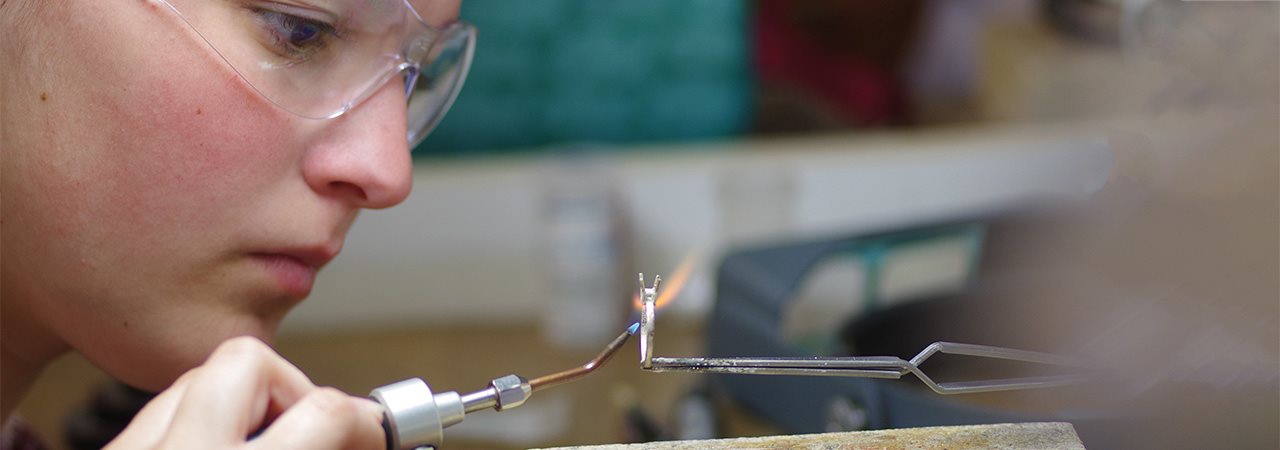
554	71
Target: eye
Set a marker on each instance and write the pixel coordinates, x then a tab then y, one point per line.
292	36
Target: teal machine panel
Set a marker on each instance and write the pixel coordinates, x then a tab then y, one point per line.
563	71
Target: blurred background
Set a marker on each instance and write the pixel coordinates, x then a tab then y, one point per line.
1096	178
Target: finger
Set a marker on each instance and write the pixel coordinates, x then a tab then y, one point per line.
326	419
231	393
151	422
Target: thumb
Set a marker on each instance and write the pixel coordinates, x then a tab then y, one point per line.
150	424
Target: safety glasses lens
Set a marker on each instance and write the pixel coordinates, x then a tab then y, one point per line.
439	79
322	58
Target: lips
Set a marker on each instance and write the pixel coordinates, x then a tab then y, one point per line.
295	269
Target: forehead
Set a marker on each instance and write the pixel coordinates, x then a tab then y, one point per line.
434	12
373	15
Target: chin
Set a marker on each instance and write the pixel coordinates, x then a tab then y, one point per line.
152	363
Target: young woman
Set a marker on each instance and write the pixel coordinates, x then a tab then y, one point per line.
175	172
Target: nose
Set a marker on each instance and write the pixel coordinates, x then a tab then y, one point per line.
363	156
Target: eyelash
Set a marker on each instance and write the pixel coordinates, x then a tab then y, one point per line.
282	29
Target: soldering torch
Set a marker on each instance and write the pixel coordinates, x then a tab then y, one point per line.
416	418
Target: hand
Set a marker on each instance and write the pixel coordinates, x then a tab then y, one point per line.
243	387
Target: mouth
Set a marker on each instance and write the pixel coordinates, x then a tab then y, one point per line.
295	269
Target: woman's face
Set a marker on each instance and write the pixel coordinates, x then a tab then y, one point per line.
155	204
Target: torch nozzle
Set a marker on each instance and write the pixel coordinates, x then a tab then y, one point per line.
603	357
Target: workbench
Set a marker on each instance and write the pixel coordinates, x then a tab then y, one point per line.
1039	435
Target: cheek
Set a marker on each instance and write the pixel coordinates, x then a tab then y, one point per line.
163	119
156	148
196	139
147	153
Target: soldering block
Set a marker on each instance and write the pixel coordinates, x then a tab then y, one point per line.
1038	435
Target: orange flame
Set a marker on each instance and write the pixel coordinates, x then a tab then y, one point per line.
671	286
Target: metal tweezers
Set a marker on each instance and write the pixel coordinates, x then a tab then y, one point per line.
853	366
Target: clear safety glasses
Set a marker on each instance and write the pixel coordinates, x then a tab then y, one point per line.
320	58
